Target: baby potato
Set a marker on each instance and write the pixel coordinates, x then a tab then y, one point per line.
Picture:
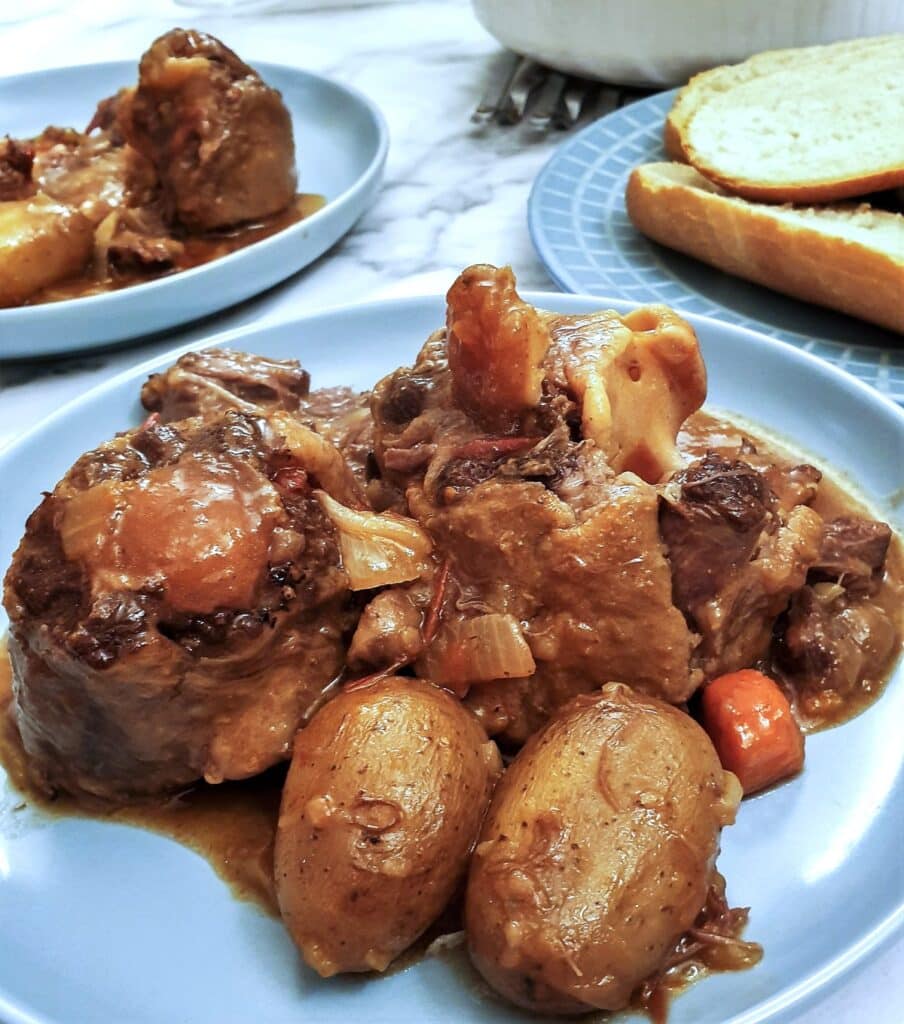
596	853
41	242
381	808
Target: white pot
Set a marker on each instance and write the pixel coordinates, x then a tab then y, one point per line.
664	42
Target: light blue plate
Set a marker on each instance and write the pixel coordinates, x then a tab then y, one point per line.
102	923
341	142
581	231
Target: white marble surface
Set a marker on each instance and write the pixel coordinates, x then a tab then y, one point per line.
454	194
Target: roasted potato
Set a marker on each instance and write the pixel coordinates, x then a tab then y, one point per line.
596	853
382	806
41	242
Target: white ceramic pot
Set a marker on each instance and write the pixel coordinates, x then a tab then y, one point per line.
664	42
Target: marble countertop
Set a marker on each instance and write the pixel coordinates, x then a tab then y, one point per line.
454	194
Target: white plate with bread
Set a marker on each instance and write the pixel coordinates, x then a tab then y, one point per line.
767	215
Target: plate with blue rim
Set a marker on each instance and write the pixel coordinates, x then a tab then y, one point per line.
341	143
109	924
581	231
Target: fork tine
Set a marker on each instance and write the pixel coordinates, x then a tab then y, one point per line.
547	104
501	75
527	77
577	94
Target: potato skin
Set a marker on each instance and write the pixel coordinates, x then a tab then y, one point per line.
381	808
596	853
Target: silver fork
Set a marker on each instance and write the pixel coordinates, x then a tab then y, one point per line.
520	89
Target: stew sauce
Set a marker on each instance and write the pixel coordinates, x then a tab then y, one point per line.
198	249
233	824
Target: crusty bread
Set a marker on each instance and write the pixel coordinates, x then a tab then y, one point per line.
708	83
845	256
808	125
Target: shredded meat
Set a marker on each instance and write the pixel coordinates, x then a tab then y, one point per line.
213	380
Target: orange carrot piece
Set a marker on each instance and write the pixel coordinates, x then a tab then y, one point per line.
750	722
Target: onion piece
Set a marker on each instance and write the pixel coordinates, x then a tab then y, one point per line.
377	548
103	239
826	593
479	650
317	457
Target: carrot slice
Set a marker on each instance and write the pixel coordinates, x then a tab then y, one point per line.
750	722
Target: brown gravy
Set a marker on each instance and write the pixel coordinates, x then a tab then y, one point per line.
199	249
233	824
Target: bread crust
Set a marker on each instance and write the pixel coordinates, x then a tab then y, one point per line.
811	192
751	242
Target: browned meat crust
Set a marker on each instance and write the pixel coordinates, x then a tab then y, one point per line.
176	605
220	139
736	559
16	159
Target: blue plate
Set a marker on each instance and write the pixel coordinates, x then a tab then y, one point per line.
581	231
106	923
341	142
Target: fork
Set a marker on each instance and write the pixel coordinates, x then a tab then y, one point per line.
520	89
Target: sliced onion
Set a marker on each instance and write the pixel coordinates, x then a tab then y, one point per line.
103	239
480	649
827	592
377	548
317	457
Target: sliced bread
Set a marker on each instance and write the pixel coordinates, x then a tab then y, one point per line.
808	125
708	83
848	257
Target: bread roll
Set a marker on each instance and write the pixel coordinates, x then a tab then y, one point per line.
848	257
808	125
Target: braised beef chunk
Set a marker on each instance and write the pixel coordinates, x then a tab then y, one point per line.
219	137
794	485
152	641
209	382
833	642
16	159
141	240
216	379
108	113
852	552
714	526
403	399
736	559
835	637
45	583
